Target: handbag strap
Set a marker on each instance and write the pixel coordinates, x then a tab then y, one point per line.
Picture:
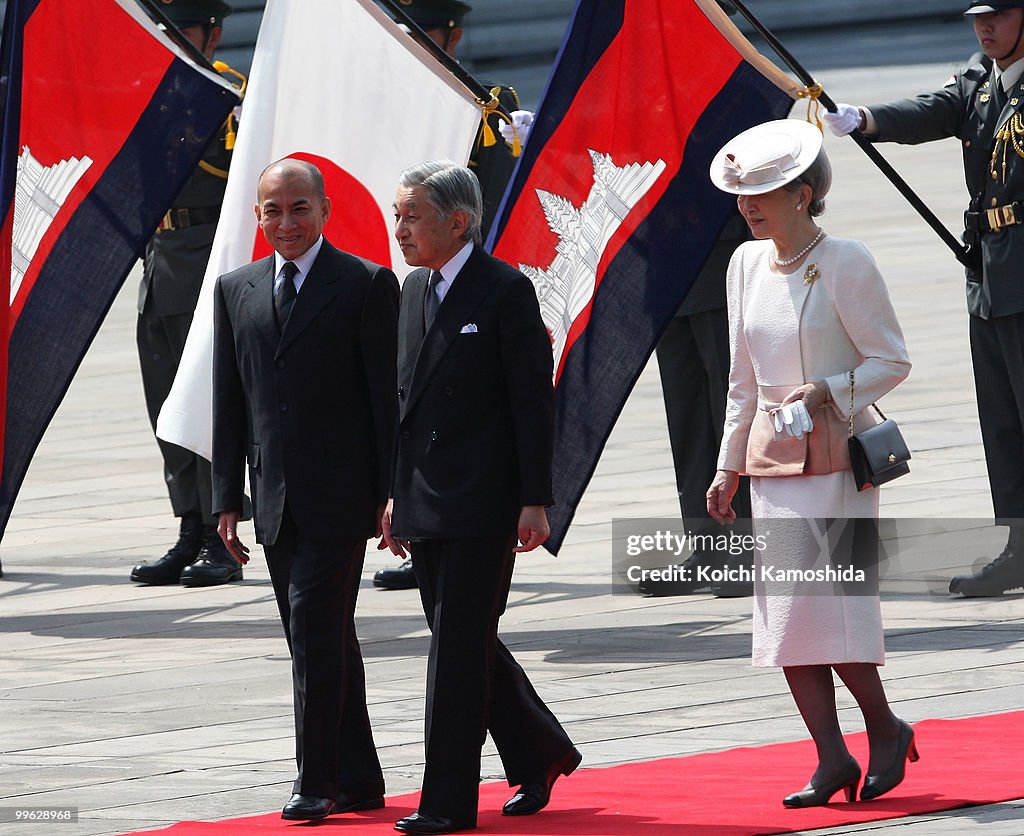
881	415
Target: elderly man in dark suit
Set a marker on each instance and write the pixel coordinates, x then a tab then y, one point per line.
472	478
442	22
304	388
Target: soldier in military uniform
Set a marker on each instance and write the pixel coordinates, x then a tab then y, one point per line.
492	164
175	263
983	107
693	361
441	20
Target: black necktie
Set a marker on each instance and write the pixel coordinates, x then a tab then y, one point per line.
430	302
285	294
999	96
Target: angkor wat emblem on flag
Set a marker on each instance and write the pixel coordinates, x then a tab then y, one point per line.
565	288
38	196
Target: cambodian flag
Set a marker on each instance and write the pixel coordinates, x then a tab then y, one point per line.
611	212
103	122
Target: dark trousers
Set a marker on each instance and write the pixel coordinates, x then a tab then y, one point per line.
316	586
997	350
474	685
693	360
160	342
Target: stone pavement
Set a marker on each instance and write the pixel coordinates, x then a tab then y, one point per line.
145	706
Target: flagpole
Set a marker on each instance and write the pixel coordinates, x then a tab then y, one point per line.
483	94
964	255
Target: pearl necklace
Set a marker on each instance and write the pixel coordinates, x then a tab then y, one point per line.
785	262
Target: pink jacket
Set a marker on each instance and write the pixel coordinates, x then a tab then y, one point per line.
846	321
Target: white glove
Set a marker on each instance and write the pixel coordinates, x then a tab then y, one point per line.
844	121
794	419
523	120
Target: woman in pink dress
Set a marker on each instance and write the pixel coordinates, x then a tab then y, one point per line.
806	310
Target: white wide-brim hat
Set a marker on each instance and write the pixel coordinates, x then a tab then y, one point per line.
766	156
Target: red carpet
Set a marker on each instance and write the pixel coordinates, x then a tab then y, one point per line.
735	793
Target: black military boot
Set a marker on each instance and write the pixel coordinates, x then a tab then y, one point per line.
683	579
168	568
214	564
1004	573
737	576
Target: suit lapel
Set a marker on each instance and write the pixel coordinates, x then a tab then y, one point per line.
470	288
259	300
318	288
799	292
410	325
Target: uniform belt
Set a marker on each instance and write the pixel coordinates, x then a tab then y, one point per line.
182	218
992	220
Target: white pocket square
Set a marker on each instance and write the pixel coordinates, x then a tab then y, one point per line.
468	328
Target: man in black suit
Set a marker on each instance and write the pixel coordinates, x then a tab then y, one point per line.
472	477
304	388
442	22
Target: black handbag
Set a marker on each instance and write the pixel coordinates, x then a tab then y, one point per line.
878	454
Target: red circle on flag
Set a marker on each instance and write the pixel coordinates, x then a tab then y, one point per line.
356	224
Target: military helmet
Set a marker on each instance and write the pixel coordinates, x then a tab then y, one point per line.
980	8
436	14
183	13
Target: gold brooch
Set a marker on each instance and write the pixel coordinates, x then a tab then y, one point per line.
811	274
984	97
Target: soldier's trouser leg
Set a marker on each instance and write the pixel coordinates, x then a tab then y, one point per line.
161	341
997	351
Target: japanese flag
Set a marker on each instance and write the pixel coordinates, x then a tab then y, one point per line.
337	83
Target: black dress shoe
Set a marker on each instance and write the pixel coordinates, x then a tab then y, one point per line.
214	565
307	808
168	568
420	823
534	795
1004	573
847	781
396	577
906	750
349	803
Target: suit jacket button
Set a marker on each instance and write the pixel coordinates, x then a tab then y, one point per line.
433	436
284	407
448	390
282	363
405	433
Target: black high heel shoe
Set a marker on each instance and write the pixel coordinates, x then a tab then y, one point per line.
906	750
820	796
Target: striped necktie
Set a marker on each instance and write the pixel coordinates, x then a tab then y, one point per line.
430	302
